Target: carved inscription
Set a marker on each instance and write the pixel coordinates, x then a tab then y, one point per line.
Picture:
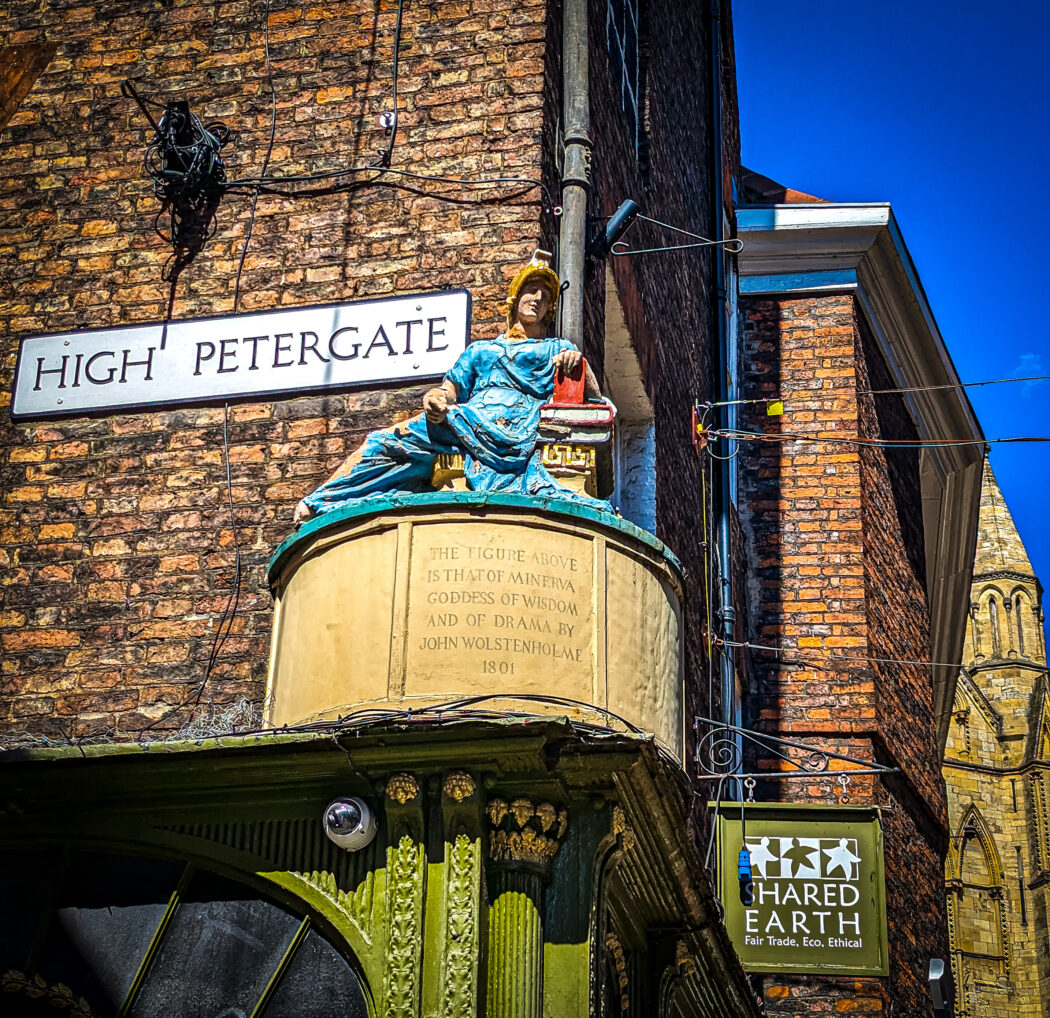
501	609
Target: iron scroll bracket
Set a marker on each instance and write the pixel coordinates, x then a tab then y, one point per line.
720	754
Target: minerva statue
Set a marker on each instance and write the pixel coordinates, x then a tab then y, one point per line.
487	408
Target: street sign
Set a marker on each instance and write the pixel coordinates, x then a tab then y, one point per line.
290	351
819	892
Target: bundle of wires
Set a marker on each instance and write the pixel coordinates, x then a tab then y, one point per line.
187	170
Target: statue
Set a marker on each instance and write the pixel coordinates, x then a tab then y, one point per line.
487	408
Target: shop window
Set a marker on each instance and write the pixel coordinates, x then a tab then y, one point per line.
147	938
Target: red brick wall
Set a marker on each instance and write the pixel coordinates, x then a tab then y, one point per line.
835	537
667	297
116	545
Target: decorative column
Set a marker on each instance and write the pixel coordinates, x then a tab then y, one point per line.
524	838
461	899
405	873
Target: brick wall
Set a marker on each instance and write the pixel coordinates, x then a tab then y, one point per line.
667	298
835	539
116	543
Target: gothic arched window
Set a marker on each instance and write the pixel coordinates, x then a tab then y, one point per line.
1019	606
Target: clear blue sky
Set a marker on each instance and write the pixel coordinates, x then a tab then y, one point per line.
942	109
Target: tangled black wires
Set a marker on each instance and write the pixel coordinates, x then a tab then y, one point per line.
184	161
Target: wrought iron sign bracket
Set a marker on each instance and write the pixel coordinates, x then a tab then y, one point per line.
720	752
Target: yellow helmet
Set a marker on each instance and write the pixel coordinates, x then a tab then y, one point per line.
538	270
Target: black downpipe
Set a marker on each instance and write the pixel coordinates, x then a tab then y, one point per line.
576	167
726	611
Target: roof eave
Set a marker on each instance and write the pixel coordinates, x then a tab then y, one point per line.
858	247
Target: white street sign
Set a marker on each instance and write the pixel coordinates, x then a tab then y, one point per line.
288	352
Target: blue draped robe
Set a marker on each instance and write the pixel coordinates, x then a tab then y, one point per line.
500	386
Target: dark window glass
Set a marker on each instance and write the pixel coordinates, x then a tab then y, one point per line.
107	911
621	29
319	983
630	53
24	888
218	954
97	915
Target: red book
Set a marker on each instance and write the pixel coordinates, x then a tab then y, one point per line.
568	389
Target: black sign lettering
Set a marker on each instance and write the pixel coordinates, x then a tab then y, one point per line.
408	332
312	347
255	341
379	340
91	360
147	364
343	356
279	348
202	356
41	371
434	333
225	353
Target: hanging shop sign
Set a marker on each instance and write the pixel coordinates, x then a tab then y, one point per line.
818	883
199	360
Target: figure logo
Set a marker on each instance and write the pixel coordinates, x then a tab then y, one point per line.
804	858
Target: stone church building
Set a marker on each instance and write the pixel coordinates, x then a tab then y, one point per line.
997	771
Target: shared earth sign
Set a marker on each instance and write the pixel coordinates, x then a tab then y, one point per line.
819	895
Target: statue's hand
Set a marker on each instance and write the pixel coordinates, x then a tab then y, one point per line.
435	405
568	360
302	513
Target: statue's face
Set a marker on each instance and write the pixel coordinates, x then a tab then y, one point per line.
533	304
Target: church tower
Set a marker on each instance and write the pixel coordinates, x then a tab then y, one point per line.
997	772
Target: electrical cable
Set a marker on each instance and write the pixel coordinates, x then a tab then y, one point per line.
229	613
384	158
881	443
424	715
620	249
708	538
272	185
807	655
837	394
184	161
266	158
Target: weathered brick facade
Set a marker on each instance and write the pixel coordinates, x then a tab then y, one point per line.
834	531
118	549
667	298
118	527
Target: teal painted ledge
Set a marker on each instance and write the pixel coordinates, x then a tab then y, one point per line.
439	501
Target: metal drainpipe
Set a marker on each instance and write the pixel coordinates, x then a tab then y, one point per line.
576	166
722	480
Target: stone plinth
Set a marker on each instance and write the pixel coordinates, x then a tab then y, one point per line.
545	607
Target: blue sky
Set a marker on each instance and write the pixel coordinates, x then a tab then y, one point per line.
942	109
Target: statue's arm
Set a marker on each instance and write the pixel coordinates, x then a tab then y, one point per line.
436	401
